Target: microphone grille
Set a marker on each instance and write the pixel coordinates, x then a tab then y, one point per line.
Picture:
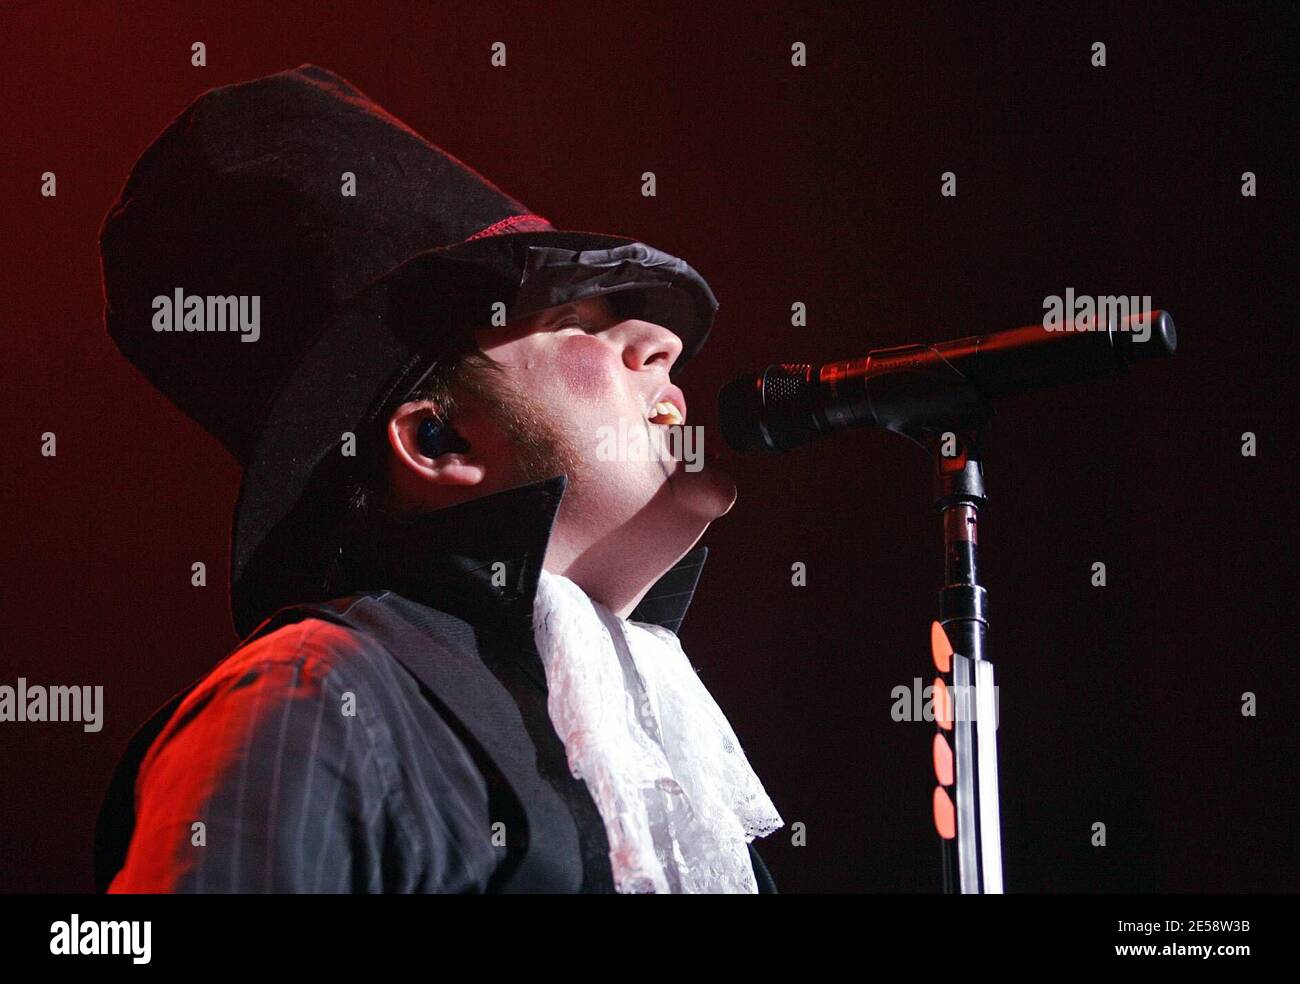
755	412
784	383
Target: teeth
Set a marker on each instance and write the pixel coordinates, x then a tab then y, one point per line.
667	411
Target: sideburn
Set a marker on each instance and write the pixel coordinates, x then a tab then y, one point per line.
544	450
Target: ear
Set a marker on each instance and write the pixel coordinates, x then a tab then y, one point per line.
417	468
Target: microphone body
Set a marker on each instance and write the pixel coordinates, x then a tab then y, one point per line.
919	389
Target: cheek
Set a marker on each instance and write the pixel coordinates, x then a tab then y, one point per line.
586	368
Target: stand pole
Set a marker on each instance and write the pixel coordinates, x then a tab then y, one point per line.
966	810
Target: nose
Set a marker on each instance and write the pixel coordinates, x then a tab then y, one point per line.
650	344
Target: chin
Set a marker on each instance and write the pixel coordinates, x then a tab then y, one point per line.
707	493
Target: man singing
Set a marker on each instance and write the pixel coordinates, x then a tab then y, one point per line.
457	582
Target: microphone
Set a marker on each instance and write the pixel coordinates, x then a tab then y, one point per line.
914	389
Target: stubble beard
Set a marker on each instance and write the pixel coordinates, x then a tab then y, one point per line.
543	450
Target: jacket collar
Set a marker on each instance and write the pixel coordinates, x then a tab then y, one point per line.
481	560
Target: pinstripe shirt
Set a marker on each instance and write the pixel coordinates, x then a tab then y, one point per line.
392	739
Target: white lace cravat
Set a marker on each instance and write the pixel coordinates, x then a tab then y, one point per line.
673	787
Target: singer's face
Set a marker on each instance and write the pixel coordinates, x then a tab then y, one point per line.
592	381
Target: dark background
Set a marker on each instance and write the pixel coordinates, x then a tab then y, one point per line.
1119	704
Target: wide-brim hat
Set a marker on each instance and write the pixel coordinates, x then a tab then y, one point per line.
362	251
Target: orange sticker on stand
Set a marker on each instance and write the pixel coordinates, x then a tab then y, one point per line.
940	648
942	760
945	817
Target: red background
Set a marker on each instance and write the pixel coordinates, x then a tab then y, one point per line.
821	184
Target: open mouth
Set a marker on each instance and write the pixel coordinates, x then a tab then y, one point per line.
665	413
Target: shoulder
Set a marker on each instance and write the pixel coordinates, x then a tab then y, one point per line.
272	684
309	678
322	649
321	645
323	676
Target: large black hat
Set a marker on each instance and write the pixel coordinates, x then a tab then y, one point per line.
358	250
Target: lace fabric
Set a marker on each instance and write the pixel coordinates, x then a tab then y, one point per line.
677	796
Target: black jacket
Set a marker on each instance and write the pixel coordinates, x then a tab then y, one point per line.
395	739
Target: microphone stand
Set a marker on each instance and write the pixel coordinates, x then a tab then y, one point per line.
947	417
966	808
